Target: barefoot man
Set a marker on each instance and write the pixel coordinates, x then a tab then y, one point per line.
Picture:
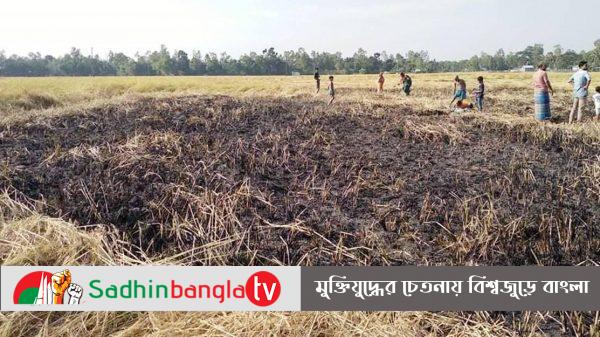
380	83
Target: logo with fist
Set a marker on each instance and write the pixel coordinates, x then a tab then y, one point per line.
42	287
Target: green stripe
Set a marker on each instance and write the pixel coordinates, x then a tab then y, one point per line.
28	296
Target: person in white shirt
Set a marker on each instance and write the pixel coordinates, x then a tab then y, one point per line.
597	102
581	83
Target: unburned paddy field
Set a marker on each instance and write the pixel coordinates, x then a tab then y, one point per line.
260	171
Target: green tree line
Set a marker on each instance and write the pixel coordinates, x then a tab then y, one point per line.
270	62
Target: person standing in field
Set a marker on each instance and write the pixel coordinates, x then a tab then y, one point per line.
331	90
581	81
460	90
406	82
380	82
542	89
479	93
597	102
317	78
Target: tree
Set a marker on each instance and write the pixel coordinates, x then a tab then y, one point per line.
473	64
229	65
181	63
531	55
273	63
143	66
250	64
197	66
213	66
487	62
71	64
161	62
593	56
500	60
375	64
569	59
361	61
417	61
401	64
122	63
269	62
387	62
327	62
299	61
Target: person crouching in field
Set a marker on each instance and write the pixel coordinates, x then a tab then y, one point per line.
406	82
597	102
463	105
460	90
581	83
380	82
317	78
331	90
479	93
542	89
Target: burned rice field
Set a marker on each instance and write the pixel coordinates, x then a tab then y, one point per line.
289	181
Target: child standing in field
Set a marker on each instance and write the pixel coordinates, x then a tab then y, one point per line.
460	90
317	78
331	90
380	81
479	93
597	102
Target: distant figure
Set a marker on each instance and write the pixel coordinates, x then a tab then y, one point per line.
597	102
317	78
581	83
331	90
542	89
406	82
479	93
380	81
460	89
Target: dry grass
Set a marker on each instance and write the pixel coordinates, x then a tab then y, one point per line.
35	93
123	171
28	238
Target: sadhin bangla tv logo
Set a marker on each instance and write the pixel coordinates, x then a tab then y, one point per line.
46	288
261	289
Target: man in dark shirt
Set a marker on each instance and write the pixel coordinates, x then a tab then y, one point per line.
406	82
317	78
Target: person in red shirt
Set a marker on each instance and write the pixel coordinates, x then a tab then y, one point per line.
542	89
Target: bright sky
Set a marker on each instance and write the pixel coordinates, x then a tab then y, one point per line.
448	29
